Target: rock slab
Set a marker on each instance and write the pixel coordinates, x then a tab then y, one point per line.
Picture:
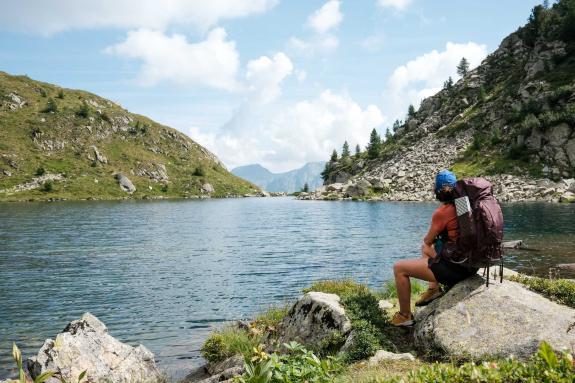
313	318
86	345
504	319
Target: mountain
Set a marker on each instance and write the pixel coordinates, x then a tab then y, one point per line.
512	119
58	143
289	182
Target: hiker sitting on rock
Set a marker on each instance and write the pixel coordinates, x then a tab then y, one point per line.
431	267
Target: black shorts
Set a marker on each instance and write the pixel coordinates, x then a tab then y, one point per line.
449	273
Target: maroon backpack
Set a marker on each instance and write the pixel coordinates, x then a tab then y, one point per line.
480	225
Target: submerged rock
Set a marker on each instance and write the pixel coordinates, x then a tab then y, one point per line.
86	345
315	317
504	319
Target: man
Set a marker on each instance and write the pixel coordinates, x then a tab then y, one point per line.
431	266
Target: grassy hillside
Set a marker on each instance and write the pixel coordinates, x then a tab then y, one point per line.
51	135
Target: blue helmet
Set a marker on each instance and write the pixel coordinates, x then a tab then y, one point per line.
444	178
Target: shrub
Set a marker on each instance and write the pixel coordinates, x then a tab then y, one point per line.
545	366
365	341
51	106
164	188
227	342
104	116
530	123
60	94
199	171
271	317
495	136
83	111
47	186
560	290
42	92
297	365
518	152
40	171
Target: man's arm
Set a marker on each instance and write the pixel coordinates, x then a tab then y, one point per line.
434	230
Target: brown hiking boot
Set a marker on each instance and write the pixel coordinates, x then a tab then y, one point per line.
401	320
428	296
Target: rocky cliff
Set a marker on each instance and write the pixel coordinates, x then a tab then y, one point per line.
288	182
511	119
62	143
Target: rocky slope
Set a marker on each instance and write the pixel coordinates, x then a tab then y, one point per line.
60	143
511	119
288	182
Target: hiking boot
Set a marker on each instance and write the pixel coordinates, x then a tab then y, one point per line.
400	320
428	296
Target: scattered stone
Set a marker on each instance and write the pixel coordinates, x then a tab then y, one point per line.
314	317
517	244
384	305
208	189
566	266
382	355
86	345
125	183
99	157
504	319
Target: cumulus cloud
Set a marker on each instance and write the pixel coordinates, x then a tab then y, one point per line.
213	62
265	75
49	17
288	136
322	21
399	5
424	75
327	17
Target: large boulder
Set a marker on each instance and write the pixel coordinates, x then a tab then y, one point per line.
504	319
314	317
125	183
86	345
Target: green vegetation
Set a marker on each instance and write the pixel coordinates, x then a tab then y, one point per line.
297	364
57	135
560	290
545	367
463	67
390	290
227	342
345	150
374	145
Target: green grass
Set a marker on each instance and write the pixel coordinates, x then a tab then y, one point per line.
227	342
341	287
142	144
560	290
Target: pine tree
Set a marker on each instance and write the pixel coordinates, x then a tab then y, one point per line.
396	125
463	67
374	146
388	135
305	188
448	84
326	172
333	156
345	150
410	111
357	150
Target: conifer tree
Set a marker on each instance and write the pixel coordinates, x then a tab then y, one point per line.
410	111
305	188
345	150
357	150
463	67
388	135
448	84
333	156
374	146
396	125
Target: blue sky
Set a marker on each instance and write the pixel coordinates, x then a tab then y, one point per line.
278	82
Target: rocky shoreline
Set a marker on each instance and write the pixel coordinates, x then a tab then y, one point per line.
452	327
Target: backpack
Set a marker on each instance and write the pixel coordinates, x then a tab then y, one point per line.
480	226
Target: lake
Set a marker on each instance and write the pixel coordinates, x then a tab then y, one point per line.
163	273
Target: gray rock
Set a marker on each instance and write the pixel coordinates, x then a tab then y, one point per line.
86	345
382	355
337	187
504	319
559	134
570	150
314	317
99	156
384	305
125	183
207	188
356	190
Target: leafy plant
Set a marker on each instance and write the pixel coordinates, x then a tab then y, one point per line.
227	342
47	186
559	290
51	106
17	356
40	171
297	365
83	111
199	171
60	94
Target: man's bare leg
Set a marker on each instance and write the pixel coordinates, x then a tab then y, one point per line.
416	268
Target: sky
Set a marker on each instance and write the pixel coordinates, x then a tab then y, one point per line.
275	82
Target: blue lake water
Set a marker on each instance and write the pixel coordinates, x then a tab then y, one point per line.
162	273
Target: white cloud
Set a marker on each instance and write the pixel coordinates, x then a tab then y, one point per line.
322	21
49	17
424	75
399	5
265	75
327	17
213	62
286	137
